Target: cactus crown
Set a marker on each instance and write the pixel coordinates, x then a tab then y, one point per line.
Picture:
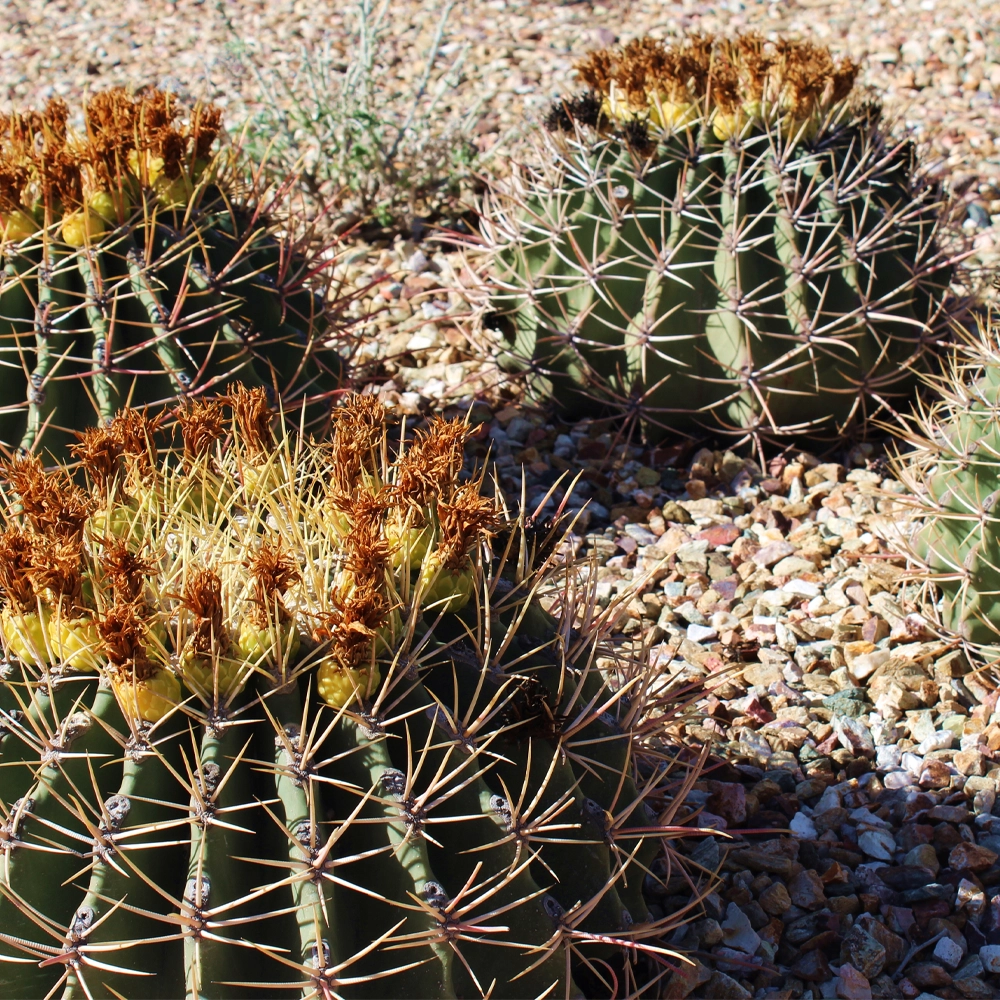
42	162
796	77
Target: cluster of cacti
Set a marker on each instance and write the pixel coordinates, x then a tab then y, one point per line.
953	478
137	268
719	234
290	718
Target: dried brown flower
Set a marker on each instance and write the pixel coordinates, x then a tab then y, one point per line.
202	423
800	76
51	503
136	431
100	451
203	598
15	564
56	569
41	162
272	571
252	419
353	623
126	570
357	441
123	635
466	520
430	466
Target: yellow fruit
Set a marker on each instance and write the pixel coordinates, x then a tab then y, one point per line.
153	166
173	192
118	522
80	228
444	590
407	544
725	124
338	521
260	480
617	105
198	673
151	699
102	204
74	642
669	115
269	645
338	685
26	635
17	226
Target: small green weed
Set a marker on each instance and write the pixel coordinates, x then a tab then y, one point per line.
368	147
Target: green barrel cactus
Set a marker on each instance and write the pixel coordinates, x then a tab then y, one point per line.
719	234
291	720
138	268
953	477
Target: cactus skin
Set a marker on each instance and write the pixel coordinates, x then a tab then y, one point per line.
123	285
742	258
953	475
472	819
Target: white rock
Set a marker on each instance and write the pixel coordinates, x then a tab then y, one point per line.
942	739
912	762
887	758
879	844
946	951
737	932
803	827
801	588
989	955
830	799
921	725
723	620
899	779
701	633
417	262
776	598
867	663
970	896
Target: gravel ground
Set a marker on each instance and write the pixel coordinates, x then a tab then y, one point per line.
855	819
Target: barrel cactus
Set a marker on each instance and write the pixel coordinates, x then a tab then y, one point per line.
720	234
291	719
953	477
138	267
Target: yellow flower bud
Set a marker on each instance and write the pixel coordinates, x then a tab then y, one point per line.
17	226
339	685
199	674
74	641
443	589
151	699
269	645
25	635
